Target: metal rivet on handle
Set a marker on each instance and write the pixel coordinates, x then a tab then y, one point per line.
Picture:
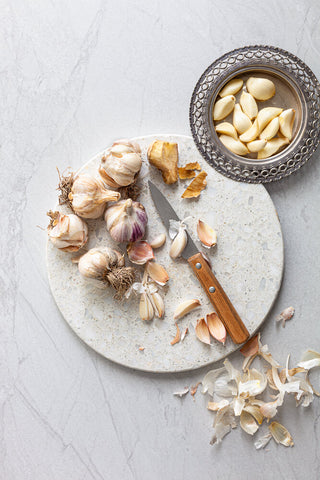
198	266
212	289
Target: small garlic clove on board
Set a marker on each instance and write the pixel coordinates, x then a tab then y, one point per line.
223	107
140	252
216	328
158	241
227	128
185	307
266	115
281	434
233	145
256	145
158	304
146	310
270	130
260	88
241	121
272	147
248	105
157	272
202	331
286	121
178	244
250	134
231	88
207	235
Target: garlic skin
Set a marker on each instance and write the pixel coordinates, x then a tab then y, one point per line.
68	233
89	196
206	234
120	164
140	252
126	221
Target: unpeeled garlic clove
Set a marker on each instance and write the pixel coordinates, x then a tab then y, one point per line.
270	130
272	147
157	272
260	88
146	308
256	145
281	434
249	105
233	145
241	121
202	331
250	134
179	243
232	87
185	307
158	304
266	115
286	121
227	128
158	241
140	252
223	107
207	235
216	328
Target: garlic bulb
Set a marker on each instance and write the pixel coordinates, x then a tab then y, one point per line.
126	221
67	232
121	163
89	196
106	266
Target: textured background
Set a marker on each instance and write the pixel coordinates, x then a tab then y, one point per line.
74	76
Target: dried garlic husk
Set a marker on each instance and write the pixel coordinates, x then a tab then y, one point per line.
241	121
196	186
270	130
121	163
146	310
177	232
140	252
310	359
202	331
260	88
215	406
158	241
185	307
286	120
254	410
89	196
250	134
165	156
251	347
281	434
287	314
177	337
182	393
254	384
266	115
256	145
227	128
188	171
235	146
207	235
216	382
68	233
262	441
126	221
216	328
157	272
248	105
231	88
248	423
272	147
224	421
269	409
223	107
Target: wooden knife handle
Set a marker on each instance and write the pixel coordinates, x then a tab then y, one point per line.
225	310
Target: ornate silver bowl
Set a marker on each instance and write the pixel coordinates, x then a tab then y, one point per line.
296	87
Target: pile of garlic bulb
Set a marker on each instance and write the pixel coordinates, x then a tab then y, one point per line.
264	131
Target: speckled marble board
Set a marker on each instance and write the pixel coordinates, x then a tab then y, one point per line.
248	262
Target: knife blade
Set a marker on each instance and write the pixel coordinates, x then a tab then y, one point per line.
226	311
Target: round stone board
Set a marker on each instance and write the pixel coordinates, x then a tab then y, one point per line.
248	261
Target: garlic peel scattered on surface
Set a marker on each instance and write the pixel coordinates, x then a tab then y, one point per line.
140	252
177	337
310	359
287	314
196	186
67	232
281	434
126	221
206	234
120	163
185	307
182	393
165	157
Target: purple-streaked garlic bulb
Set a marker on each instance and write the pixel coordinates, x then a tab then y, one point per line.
67	232
126	221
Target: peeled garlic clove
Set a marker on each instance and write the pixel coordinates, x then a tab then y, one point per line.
250	134
158	304
241	121
120	164
178	244
216	328
202	331
281	434
157	272
232	87
185	307
223	107
146	308
272	147
271	130
68	233
266	115
140	252
260	88
233	145
158	241
227	129
256	145
286	121
248	105
206	234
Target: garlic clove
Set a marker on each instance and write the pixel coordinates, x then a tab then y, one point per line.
241	121
272	147
256	145
270	130
260	88
281	434
216	328
158	304
145	308
157	272
178	244
227	129
250	134
206	234
185	307
202	331
158	241
235	146
286	121
120	164
248	105
231	88
223	107
140	252
177	337
247	423
266	115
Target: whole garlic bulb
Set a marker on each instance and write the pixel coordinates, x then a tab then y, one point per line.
107	267
89	196
67	232
126	220
120	164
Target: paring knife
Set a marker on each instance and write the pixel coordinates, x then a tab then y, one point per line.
225	310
